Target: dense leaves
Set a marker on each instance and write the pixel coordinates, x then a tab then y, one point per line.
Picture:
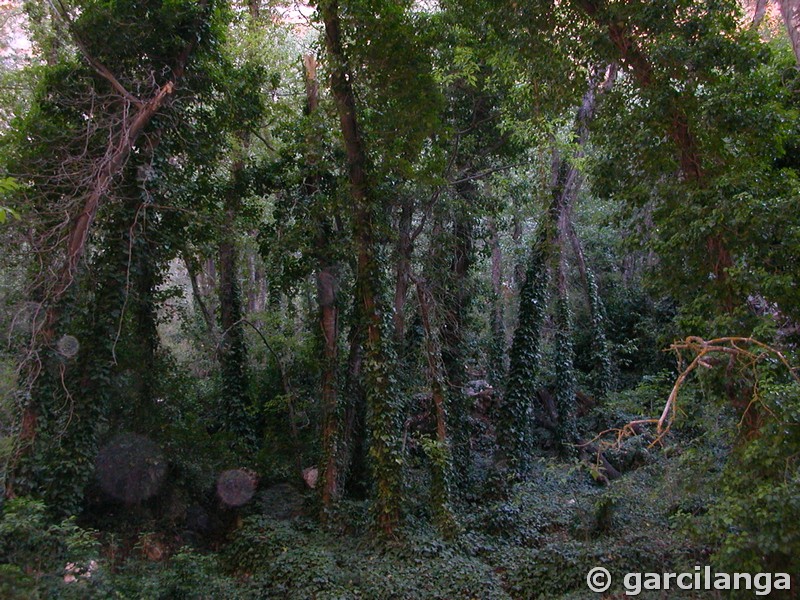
368	299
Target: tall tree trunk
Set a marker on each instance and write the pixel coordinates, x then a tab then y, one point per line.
404	250
99	184
329	326
382	407
440	453
330	488
353	470
455	305
146	319
790	11
515	413
498	350
548	254
233	346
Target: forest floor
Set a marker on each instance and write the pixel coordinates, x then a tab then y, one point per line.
539	540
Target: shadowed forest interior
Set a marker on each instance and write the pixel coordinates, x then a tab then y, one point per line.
370	299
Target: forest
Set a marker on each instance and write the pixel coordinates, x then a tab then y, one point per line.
411	299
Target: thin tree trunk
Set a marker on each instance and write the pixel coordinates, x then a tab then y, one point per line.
198	298
433	354
146	318
405	247
233	347
499	351
759	11
328	317
440	454
328	321
352	454
233	354
454	308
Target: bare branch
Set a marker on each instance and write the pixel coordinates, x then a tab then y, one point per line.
60	10
735	347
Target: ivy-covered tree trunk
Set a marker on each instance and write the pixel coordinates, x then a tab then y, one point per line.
497	349
515	418
73	393
353	470
455	304
439	450
566	384
549	254
602	371
404	250
233	345
383	414
130	119
568	182
146	279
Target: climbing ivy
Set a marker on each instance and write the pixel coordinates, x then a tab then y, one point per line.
515	421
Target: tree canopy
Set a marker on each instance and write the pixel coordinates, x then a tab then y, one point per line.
369	299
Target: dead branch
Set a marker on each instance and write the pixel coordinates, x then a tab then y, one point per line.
746	349
61	11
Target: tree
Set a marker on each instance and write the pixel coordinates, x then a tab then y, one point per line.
84	146
383	417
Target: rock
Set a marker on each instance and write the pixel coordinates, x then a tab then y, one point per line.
236	487
281	501
311	476
73	572
130	468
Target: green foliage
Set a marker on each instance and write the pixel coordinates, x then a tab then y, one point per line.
753	522
293	561
8	185
35	552
694	180
603	371
715	236
441	485
566	386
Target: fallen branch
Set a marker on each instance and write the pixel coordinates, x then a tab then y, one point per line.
748	349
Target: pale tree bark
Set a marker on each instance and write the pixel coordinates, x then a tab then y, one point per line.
199	297
759	11
790	11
